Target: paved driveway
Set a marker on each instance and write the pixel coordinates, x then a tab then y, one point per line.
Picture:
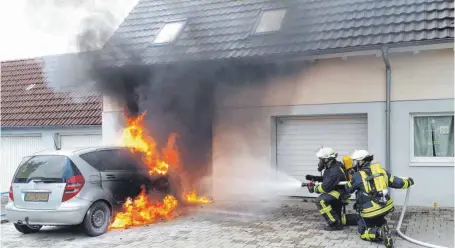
288	224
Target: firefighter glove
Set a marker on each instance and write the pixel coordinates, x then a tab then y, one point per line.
411	181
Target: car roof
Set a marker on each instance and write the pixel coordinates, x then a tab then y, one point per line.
75	151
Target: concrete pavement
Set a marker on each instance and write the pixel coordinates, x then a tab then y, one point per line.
291	223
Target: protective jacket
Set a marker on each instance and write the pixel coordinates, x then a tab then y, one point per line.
365	181
332	176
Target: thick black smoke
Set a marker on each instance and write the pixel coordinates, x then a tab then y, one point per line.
178	97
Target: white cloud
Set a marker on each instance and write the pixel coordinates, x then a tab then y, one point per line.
33	28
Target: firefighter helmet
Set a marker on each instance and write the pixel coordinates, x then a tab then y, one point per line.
359	155
325	153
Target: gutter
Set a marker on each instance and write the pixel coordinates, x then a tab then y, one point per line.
49	127
388	73
303	55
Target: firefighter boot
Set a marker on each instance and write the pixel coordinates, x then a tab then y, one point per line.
386	236
335	227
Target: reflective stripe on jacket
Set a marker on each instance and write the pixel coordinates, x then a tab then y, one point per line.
358	184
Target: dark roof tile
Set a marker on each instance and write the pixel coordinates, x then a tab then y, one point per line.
41	105
218	29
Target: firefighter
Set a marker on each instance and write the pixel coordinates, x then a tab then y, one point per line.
329	201
370	182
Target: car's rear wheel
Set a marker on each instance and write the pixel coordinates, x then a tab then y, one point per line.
26	230
97	219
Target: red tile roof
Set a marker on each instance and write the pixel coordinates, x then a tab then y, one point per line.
41	105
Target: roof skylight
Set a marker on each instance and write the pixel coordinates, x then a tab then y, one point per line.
169	32
270	20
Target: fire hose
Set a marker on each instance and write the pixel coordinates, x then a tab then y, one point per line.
400	220
403	211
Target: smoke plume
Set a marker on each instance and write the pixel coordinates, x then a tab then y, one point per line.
177	97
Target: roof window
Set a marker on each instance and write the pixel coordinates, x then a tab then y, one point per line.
169	32
270	21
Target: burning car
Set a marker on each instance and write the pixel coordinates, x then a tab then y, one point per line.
78	187
99	188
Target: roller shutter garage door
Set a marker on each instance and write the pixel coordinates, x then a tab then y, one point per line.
14	149
298	138
68	141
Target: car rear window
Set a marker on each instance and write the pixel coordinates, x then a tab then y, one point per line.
52	169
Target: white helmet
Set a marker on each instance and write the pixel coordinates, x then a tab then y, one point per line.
359	155
326	152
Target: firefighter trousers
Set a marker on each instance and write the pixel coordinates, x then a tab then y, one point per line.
370	228
329	206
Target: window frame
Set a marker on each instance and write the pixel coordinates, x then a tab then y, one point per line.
261	15
184	23
427	161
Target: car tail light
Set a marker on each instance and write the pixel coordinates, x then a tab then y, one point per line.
11	196
73	186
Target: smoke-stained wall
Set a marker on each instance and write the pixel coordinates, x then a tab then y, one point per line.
244	133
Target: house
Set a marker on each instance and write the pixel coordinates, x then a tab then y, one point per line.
381	77
35	116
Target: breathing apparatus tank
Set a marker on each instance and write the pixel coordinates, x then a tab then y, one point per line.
347	167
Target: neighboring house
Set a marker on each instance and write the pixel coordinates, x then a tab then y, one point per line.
35	117
382	72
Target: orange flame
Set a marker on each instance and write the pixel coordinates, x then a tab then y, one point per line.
141	210
191	197
137	138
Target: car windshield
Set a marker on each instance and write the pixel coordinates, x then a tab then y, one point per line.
44	168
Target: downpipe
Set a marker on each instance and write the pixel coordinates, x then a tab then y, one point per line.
400	220
388	74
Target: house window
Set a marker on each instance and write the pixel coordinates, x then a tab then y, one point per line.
432	137
169	32
270	21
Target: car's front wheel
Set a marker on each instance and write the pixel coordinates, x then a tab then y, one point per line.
27	229
97	219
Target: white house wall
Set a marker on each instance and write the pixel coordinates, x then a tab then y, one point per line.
426	75
434	184
244	126
47	135
113	121
13	149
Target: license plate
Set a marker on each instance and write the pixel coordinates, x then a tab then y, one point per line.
37	197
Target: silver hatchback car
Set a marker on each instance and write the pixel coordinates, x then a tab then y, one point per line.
81	187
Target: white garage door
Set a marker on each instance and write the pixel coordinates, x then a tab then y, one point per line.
14	148
80	140
298	138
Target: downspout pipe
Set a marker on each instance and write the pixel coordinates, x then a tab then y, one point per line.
388	76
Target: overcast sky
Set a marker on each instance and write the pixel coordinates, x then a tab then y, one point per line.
32	28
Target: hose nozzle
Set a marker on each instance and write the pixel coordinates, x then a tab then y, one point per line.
305	184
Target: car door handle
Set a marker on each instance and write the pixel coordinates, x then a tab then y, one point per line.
110	176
